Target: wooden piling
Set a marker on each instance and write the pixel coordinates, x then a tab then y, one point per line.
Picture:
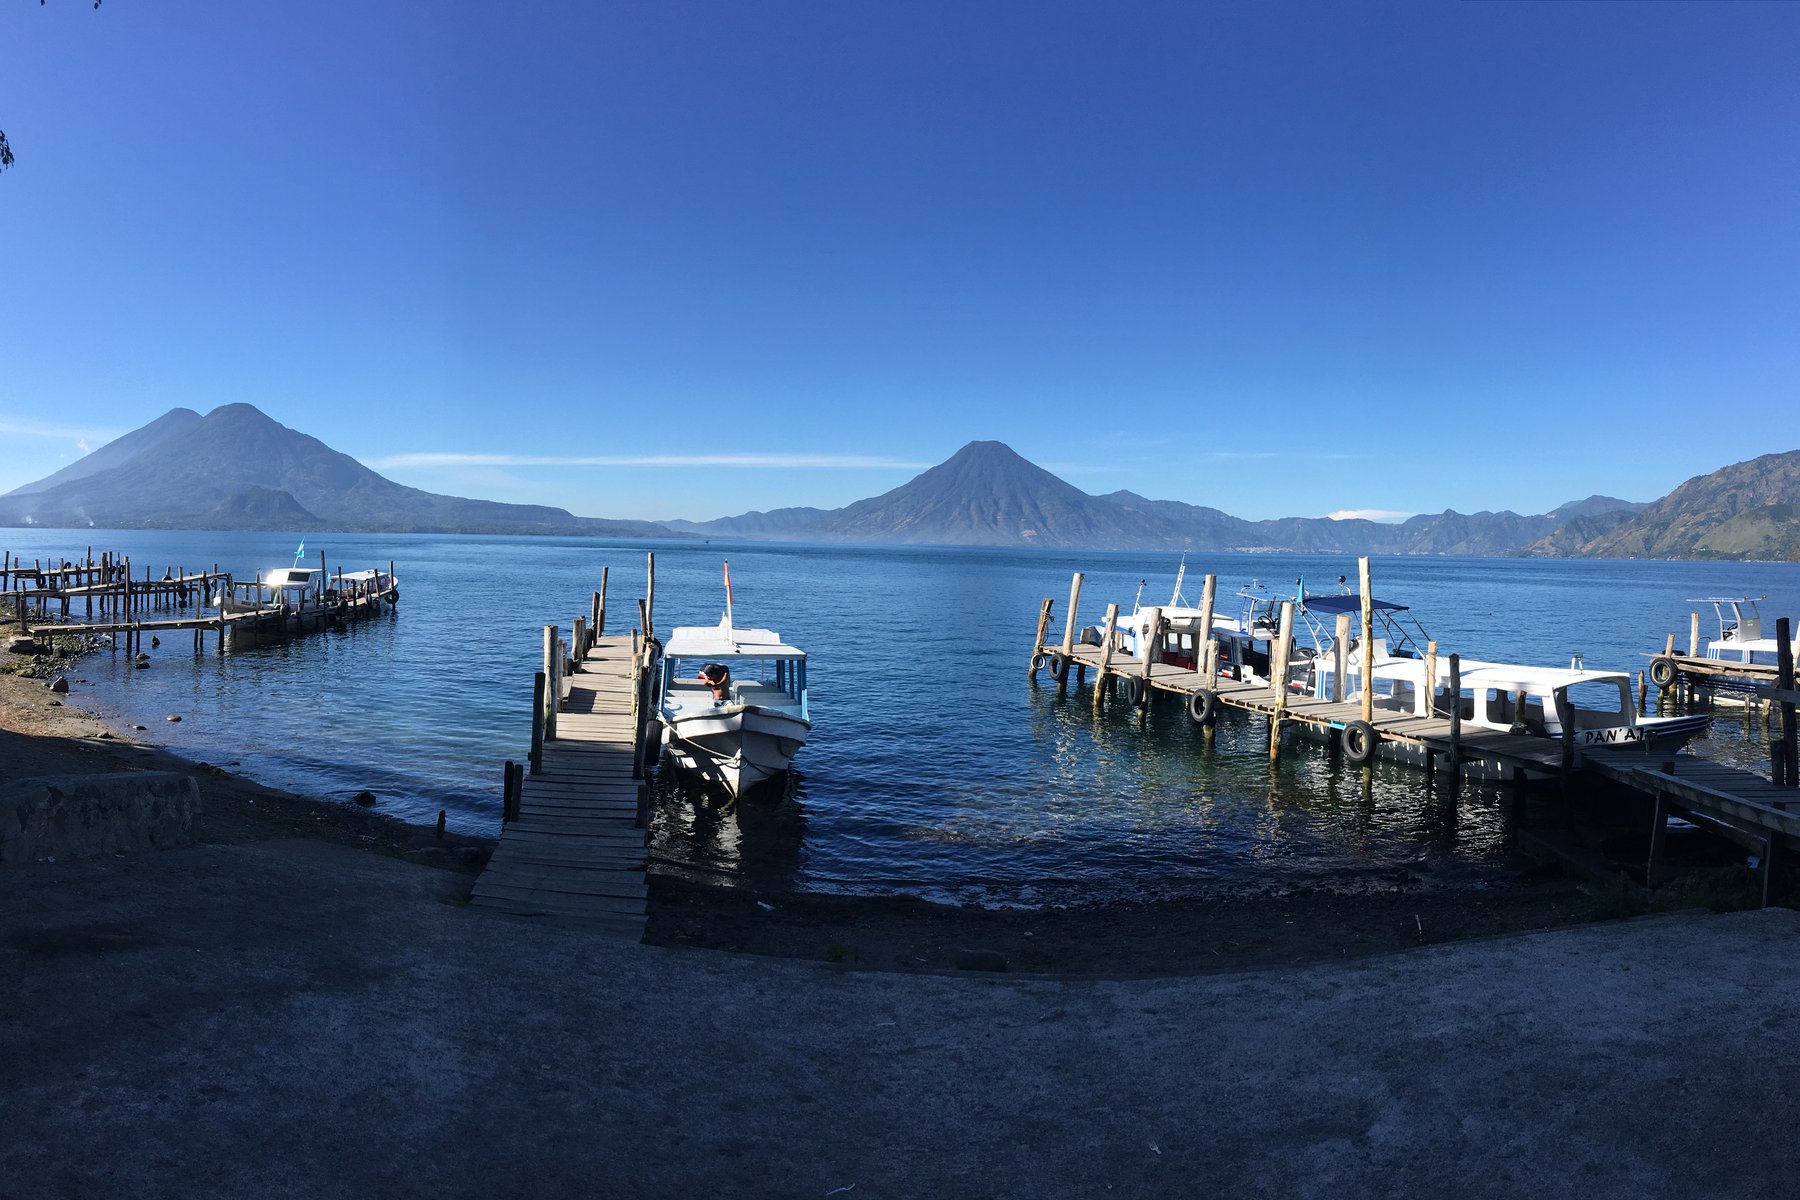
1148	639
1455	714
1278	667
1068	642
600	617
1784	680
1431	661
1368	639
1208	595
1694	635
649	607
539	684
553	680
1037	643
1106	653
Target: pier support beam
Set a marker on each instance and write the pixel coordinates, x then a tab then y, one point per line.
1108	639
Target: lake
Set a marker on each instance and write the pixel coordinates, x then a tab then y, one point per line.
936	768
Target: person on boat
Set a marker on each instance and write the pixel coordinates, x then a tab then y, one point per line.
717	676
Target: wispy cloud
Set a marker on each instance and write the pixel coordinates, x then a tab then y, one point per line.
69	433
833	461
1367	514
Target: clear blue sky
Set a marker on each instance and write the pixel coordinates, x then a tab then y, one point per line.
1283	259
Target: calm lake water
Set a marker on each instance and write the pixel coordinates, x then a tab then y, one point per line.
936	768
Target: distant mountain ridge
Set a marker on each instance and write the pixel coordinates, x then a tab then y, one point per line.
986	494
238	469
1746	510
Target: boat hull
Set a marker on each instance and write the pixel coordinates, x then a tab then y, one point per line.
735	746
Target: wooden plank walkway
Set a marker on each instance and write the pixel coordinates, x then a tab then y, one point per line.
1428	733
577	850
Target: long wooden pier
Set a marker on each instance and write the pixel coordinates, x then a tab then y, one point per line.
573	845
117	603
1761	813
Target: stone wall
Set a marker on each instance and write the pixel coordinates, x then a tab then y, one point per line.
80	816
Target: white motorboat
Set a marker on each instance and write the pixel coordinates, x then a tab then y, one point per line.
732	702
1513	699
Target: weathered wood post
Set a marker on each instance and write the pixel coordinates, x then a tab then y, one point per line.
580	640
539	685
553	680
1431	661
1784	680
1037	643
1106	654
1565	715
1278	673
1209	591
1694	635
650	595
1148	640
1455	715
1340	656
1368	640
1068	642
600	606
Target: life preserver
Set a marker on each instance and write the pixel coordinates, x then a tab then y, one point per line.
1203	706
1358	742
1662	671
1059	666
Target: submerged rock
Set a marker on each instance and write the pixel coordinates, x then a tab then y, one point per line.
366	799
173	717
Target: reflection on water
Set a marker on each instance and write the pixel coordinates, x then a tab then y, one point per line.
753	841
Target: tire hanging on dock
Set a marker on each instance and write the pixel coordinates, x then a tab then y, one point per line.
1203	706
1135	691
1359	743
1662	671
1037	663
1058	666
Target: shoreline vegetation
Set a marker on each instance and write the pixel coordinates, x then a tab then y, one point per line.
45	734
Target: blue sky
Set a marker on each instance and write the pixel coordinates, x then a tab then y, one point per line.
685	260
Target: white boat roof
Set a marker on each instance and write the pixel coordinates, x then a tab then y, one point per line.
285	577
1509	677
722	641
358	576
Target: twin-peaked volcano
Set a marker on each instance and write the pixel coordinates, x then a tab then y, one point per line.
236	468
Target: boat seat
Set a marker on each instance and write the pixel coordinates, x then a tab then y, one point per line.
759	693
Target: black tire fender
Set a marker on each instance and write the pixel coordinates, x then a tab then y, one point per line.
1359	743
1662	671
1058	666
1135	692
1203	706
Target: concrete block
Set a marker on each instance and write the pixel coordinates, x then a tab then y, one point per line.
83	816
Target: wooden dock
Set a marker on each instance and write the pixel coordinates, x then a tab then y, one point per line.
1758	812
117	603
573	846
